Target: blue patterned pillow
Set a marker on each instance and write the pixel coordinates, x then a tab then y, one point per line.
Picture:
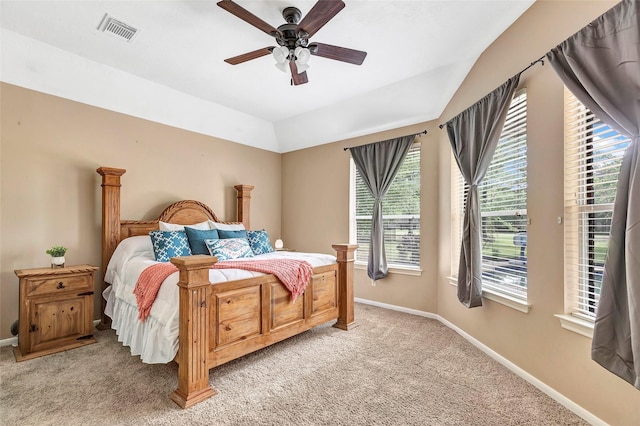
168	244
196	239
229	248
259	241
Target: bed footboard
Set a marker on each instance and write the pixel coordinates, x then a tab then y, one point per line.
252	314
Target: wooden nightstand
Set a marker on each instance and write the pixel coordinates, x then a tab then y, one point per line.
56	310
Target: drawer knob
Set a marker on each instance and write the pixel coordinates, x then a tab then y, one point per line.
60	285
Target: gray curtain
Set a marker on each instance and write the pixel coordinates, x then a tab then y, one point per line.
378	163
474	135
601	66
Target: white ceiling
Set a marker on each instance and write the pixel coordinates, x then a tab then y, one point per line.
173	71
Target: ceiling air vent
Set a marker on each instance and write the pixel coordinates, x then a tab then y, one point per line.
117	28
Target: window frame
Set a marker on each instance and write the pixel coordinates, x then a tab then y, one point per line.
459	189
585	137
405	269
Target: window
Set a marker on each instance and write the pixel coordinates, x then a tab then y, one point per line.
400	211
593	155
503	205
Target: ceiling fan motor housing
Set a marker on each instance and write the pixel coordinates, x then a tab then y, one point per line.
289	35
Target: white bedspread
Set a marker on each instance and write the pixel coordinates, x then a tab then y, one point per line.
156	339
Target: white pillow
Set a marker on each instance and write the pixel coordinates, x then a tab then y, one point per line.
134	245
138	246
164	226
226	226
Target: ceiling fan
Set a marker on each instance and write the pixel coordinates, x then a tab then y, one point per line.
292	38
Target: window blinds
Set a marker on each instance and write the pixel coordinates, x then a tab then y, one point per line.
593	155
400	210
503	205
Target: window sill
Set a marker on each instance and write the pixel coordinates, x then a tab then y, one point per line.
575	324
416	272
510	302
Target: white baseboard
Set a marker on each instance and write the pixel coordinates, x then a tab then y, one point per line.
13	341
398	308
557	396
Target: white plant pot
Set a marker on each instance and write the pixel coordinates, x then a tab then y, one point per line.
57	262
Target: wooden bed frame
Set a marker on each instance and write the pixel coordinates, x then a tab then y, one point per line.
222	322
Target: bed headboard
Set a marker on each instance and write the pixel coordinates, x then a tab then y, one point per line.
187	212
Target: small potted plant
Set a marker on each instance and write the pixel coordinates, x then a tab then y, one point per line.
57	256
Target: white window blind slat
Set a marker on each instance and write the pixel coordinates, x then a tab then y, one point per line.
593	154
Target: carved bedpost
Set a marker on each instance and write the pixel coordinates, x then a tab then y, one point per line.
244	203
193	350
345	258
110	226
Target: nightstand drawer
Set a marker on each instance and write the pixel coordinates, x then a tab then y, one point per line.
47	286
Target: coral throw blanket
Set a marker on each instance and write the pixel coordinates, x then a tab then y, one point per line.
294	274
148	285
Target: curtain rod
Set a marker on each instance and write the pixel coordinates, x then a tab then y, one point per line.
541	60
424	132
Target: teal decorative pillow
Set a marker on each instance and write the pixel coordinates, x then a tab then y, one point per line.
168	244
259	242
229	248
196	239
223	233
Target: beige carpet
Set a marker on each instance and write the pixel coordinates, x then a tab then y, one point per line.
393	369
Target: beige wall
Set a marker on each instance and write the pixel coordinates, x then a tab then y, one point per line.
50	192
315	196
535	341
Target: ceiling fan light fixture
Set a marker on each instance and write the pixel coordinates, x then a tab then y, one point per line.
302	55
283	66
301	67
280	54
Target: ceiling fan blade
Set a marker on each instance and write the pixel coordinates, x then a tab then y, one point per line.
295	77
249	56
320	14
247	16
338	53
